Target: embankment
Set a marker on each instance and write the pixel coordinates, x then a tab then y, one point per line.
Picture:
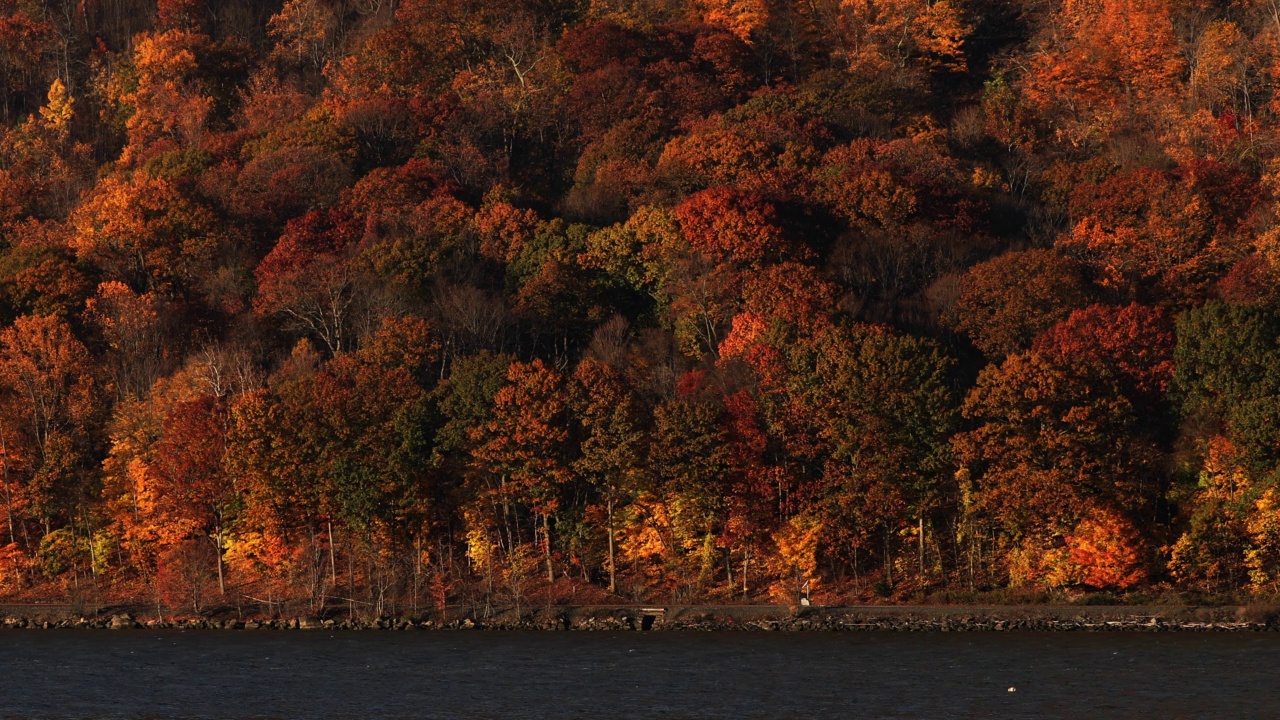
901	618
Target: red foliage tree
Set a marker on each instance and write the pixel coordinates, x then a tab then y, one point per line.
1007	301
310	276
1134	342
730	226
196	495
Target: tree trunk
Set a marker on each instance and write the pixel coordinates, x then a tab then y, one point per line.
333	561
88	536
857	580
351	582
546	536
888	558
222	586
613	579
417	570
920	530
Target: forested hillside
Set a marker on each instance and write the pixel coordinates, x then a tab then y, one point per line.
398	304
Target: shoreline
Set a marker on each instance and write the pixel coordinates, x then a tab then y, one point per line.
724	618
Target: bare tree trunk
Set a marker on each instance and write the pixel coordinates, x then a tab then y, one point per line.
857	580
888	558
222	586
417	570
333	561
613	580
88	536
546	536
315	573
920	530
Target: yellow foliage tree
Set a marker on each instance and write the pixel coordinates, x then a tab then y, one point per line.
796	565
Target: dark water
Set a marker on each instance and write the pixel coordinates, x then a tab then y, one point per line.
271	674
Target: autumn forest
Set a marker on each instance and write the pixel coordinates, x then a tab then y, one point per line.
393	305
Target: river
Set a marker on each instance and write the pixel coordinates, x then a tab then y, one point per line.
468	674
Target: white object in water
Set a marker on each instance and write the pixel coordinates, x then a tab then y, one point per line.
1013	689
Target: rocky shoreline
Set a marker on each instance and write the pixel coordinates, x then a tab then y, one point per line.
710	618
